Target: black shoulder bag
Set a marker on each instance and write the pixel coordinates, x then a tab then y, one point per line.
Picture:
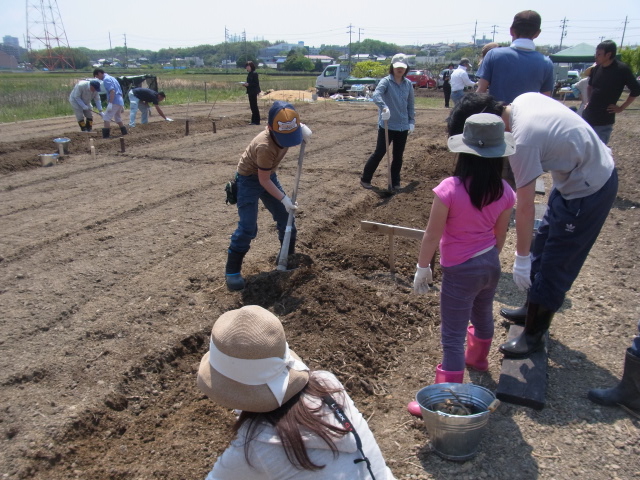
346	423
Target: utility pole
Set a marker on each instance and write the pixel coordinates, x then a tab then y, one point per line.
623	31
359	32
493	38
126	54
475	30
110	49
350	27
564	33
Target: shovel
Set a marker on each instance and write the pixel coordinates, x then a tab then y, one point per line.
386	139
284	251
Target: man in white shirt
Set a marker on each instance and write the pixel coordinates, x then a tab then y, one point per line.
460	80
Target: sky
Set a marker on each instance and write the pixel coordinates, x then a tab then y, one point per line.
170	24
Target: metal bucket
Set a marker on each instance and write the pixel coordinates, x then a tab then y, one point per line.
64	143
456	437
48	159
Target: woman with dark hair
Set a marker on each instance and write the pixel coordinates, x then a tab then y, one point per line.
253	89
394	98
294	422
468	221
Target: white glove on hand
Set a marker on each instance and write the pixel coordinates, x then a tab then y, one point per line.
289	205
522	271
168	119
422	279
109	107
412	127
306	132
386	114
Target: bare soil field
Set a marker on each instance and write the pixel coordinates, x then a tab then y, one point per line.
111	276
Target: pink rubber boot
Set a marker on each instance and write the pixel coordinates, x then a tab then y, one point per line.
477	351
442	376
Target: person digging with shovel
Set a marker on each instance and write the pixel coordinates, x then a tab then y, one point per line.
80	99
396	120
257	180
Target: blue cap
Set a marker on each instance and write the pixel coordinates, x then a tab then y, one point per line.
95	84
284	122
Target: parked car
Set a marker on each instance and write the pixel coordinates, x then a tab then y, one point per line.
421	79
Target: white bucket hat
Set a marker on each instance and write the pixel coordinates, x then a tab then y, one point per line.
399	60
249	365
484	136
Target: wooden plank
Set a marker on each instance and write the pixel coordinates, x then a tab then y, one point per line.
385	229
524	381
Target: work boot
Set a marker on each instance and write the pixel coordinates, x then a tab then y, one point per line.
442	376
516	315
123	130
232	271
89	123
532	338
106	133
477	351
83	126
627	392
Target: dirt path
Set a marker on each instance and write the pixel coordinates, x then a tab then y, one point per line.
111	277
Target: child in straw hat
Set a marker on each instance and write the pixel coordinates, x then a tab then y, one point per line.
287	427
468	221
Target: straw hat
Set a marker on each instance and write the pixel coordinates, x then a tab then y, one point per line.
484	136
249	365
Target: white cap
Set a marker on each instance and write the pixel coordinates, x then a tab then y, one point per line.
399	60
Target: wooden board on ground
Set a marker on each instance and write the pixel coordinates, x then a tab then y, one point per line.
524	381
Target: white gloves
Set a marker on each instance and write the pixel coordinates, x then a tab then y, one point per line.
168	119
422	279
522	271
412	127
386	114
306	133
109	107
289	205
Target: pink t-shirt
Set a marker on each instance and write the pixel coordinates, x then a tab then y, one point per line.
468	230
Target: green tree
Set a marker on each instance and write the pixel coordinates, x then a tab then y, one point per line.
298	63
631	58
369	68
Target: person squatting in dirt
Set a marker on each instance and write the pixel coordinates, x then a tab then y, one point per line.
80	99
468	222
139	99
627	392
257	180
115	108
395	101
549	138
293	422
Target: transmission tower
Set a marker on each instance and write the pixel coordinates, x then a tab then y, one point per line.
46	37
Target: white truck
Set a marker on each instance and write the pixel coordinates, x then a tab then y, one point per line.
336	78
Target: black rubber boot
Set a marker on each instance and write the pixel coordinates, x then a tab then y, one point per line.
232	271
106	133
89	123
83	126
516	315
123	130
532	338
627	392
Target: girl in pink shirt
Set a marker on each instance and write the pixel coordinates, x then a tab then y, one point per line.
468	221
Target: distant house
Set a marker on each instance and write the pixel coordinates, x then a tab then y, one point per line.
324	59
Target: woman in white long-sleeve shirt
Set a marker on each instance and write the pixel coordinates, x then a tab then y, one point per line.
287	428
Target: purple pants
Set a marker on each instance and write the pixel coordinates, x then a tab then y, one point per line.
467	296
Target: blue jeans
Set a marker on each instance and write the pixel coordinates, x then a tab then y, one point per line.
568	230
603	132
635	346
249	192
467	296
456	96
135	104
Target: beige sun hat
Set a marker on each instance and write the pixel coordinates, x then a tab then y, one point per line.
249	365
484	136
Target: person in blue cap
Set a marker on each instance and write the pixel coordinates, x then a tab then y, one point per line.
256	179
80	99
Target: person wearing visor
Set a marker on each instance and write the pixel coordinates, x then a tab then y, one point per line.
395	101
256	179
293	422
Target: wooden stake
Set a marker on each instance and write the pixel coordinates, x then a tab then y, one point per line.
186	128
93	151
214	125
122	149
